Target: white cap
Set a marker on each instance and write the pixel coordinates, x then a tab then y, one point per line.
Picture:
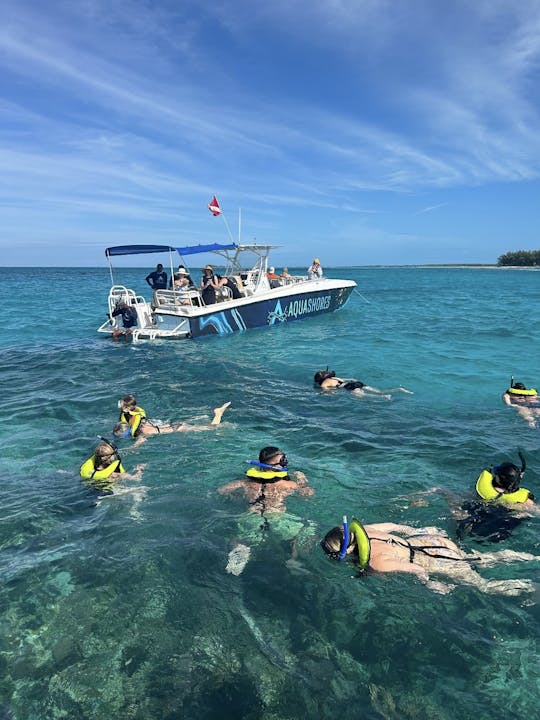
271	269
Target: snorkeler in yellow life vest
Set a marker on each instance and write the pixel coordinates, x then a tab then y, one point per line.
518	389
131	414
103	463
502	485
423	552
352	533
525	401
492	515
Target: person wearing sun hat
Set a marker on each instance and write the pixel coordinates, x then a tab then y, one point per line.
180	274
315	271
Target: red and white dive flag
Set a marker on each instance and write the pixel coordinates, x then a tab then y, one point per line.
213	206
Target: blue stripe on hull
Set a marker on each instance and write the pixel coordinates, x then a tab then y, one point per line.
269	312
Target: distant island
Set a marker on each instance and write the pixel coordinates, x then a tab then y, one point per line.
521	258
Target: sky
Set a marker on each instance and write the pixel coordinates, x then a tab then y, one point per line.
364	132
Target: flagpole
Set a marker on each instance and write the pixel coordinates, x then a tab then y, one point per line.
227	226
216	210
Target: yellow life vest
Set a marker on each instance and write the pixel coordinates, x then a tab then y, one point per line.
266	475
363	543
133	418
524	393
484	488
88	469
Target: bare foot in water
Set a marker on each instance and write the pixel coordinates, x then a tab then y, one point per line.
218	413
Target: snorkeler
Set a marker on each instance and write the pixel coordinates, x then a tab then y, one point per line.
134	423
422	552
327	380
500	503
104	467
266	484
525	401
131	413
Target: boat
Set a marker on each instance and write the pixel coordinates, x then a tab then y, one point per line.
255	300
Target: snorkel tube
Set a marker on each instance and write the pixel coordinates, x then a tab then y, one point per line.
345	543
523	463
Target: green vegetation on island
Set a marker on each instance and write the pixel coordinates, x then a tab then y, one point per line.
520	257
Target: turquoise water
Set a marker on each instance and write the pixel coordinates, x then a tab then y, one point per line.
121	607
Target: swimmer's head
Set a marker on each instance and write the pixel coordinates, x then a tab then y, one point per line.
332	542
271	455
518	386
507	476
128	402
122	429
322	375
106	453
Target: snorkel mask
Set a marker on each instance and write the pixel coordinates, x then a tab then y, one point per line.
342	552
264	466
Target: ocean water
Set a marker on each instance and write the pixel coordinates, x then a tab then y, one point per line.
120	607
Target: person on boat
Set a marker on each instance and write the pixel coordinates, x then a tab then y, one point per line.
139	427
315	271
104	468
273	277
525	401
285	274
211	283
265	485
327	380
181	274
181	286
129	320
157	279
422	552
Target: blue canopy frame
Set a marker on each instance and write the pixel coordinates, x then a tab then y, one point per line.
146	249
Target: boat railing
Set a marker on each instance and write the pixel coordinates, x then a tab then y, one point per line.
173	299
120	294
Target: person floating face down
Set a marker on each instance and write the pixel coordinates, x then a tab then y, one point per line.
500	504
327	380
525	400
422	552
134	423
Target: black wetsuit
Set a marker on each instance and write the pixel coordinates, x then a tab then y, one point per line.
492	522
351	385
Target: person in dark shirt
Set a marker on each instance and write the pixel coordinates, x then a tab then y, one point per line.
157	279
129	319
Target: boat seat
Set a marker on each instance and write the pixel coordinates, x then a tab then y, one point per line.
224	293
